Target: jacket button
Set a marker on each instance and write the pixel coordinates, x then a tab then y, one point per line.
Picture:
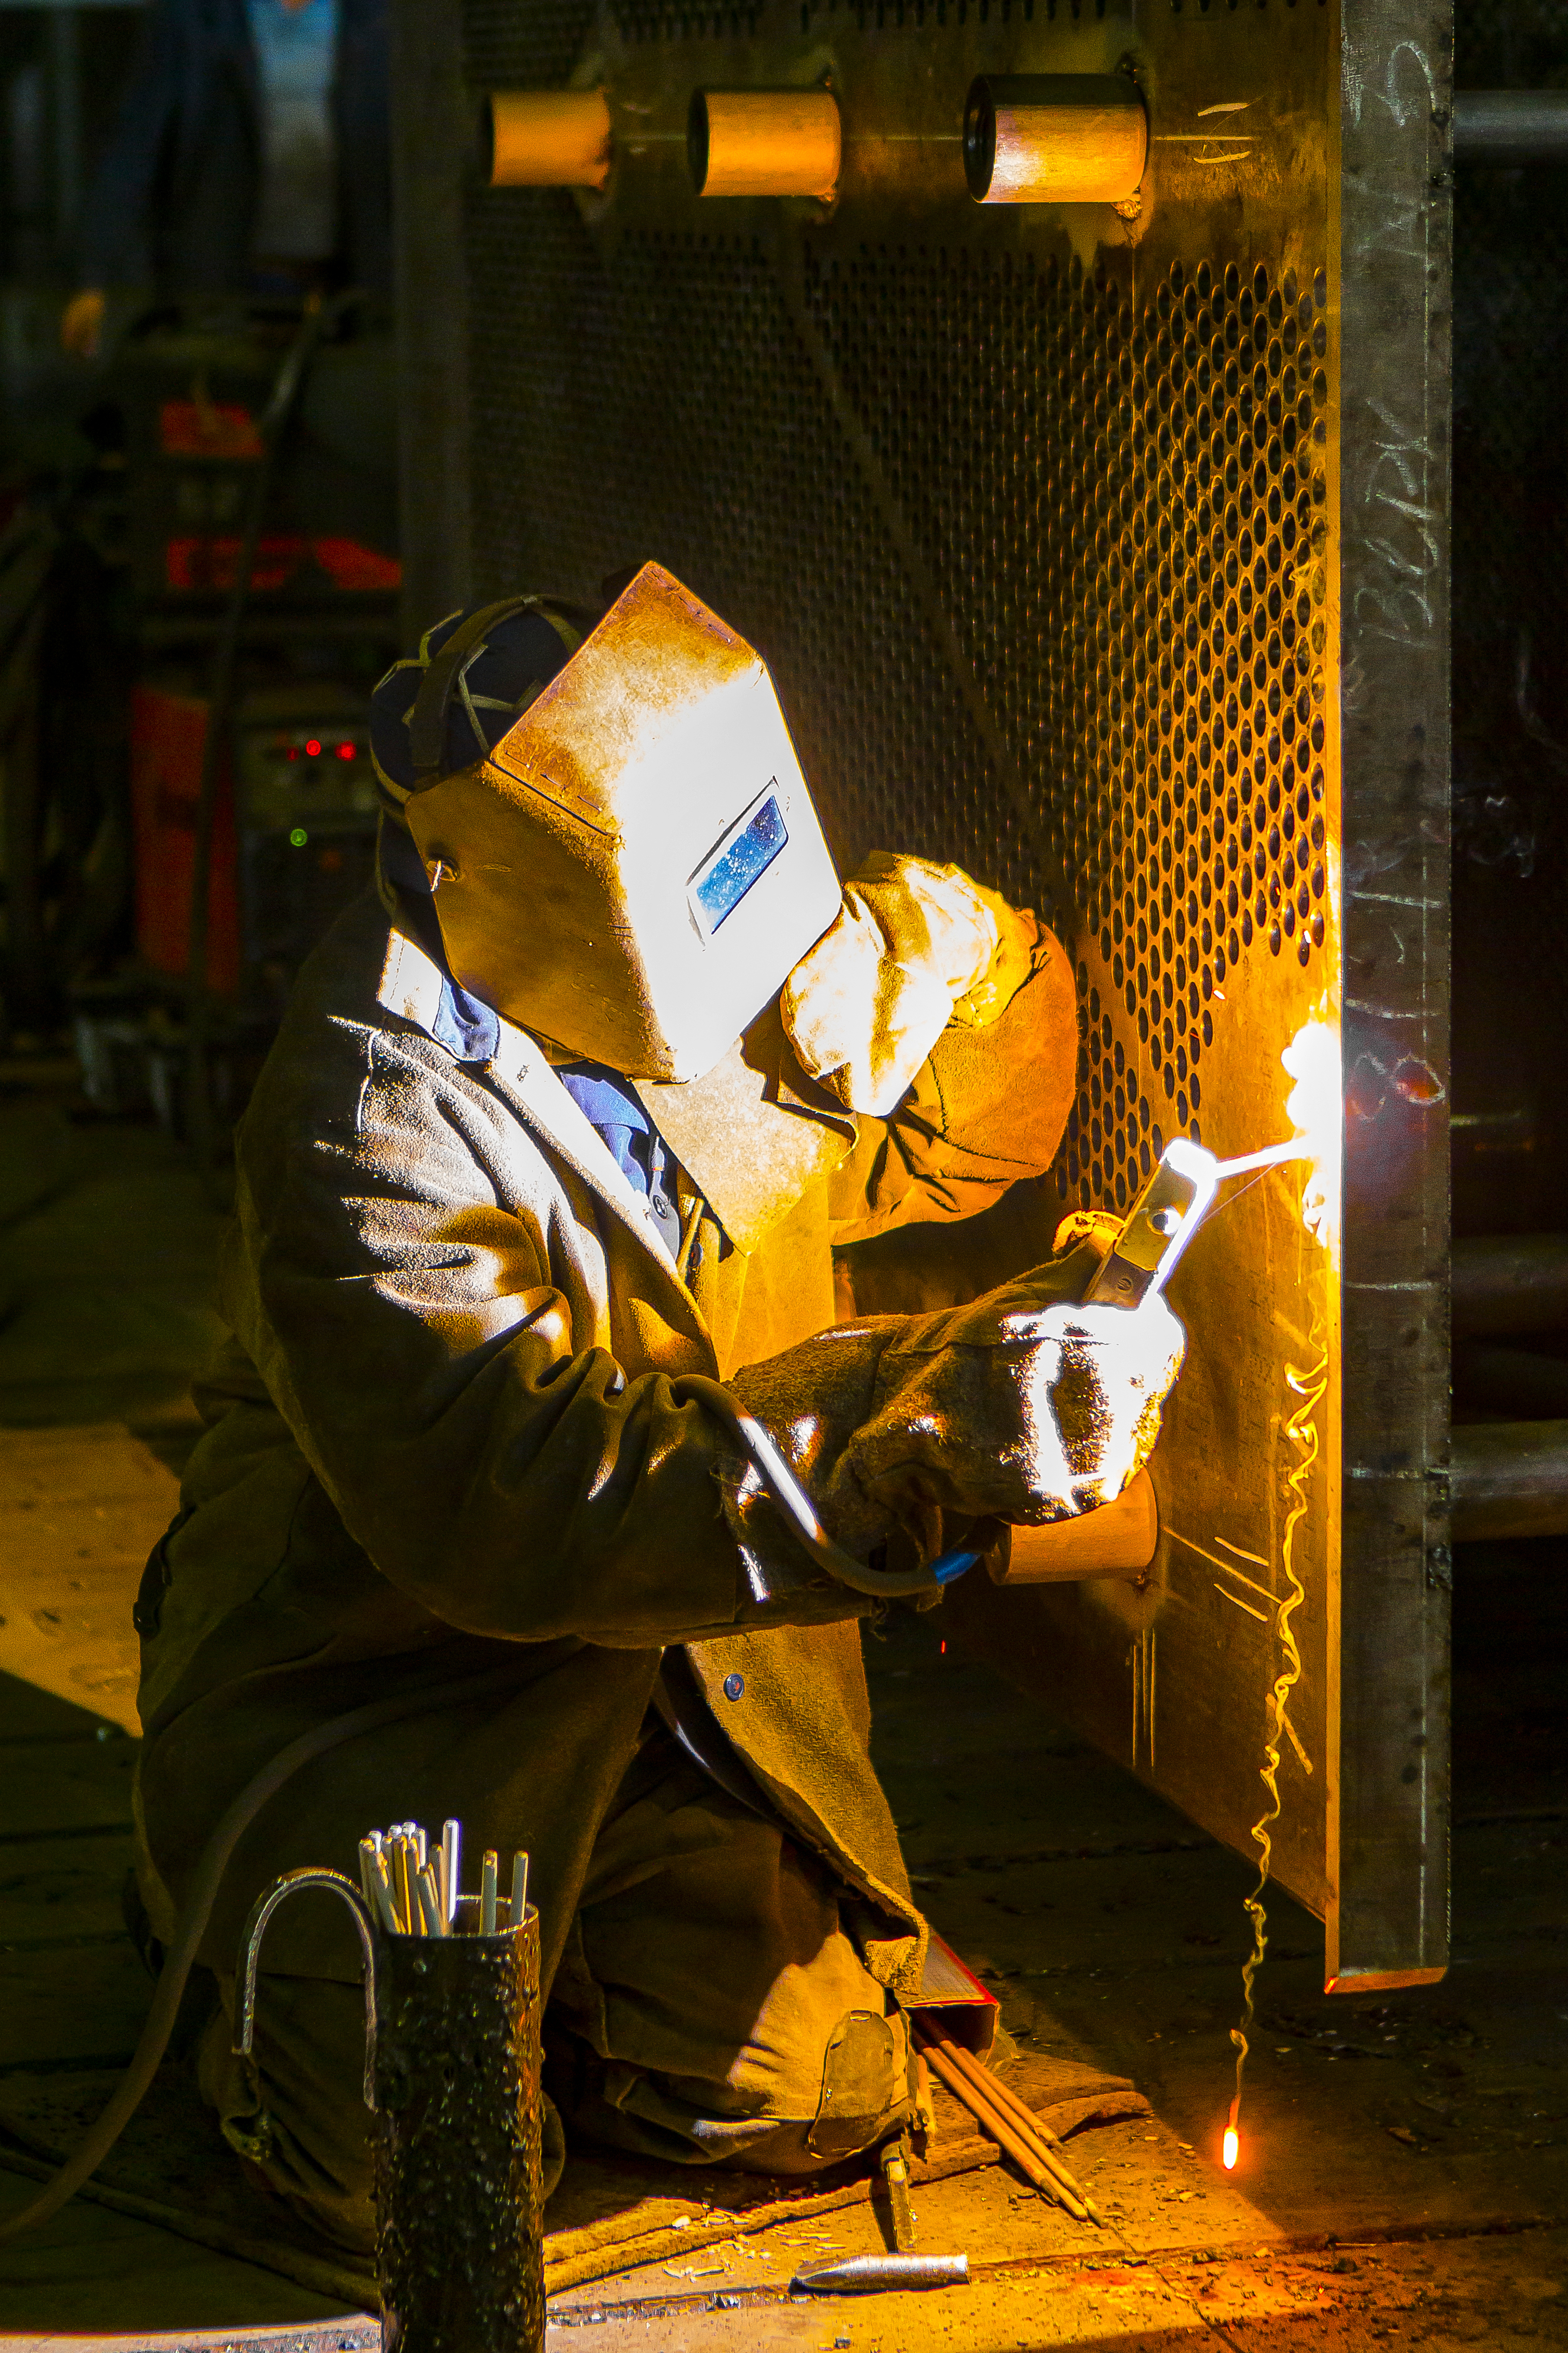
734	1686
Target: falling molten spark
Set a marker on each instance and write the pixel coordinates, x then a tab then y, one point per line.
1232	2147
1314	1110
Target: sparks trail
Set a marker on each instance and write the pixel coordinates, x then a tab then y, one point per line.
1302	1432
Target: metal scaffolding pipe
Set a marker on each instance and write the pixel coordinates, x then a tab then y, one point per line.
1510	1479
1510	126
1508	1283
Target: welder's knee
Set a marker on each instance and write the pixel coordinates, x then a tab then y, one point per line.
866	2092
813	2083
712	2005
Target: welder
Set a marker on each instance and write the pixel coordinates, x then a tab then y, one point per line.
562	1127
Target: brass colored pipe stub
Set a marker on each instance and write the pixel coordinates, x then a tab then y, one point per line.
544	139
764	143
1120	1539
1054	139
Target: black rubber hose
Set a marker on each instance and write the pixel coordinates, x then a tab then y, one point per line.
132	2086
801	1513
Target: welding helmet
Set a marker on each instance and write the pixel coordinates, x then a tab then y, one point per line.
635	867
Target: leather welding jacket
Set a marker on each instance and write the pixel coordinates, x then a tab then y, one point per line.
442	1440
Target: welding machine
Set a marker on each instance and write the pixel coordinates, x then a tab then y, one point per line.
294	832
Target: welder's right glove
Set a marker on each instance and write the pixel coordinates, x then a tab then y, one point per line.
1025	1406
915	948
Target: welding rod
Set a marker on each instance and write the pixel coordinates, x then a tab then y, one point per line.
488	1870
1275	1155
377	1879
433	1918
1029	2154
1038	2133
451	1863
518	1890
1028	2124
1005	2097
402	1894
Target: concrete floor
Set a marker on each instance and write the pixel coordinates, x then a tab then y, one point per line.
1405	2170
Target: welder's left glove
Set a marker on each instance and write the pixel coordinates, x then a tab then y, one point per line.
1024	1406
914	947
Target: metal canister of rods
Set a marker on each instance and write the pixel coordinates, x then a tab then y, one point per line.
452	2058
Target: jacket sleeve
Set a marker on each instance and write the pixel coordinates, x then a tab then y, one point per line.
987	1108
116	227
418	1340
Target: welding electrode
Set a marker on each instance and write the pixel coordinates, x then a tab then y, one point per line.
866	2274
413	1899
1014	2128
1168	1212
451	1864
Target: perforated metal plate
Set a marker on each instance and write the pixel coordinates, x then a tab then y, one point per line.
1035	513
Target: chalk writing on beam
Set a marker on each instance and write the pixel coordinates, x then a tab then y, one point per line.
1406	107
1400	540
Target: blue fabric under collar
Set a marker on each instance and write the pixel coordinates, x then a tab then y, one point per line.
466	1026
469	1030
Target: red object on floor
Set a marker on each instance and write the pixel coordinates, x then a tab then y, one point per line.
167	732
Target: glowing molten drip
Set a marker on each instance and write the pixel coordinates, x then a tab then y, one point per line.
1232	2147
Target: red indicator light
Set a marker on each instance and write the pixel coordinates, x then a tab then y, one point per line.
345	751
292	753
313	748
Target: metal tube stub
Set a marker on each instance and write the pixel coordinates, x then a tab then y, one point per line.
764	143
544	139
1120	1539
460	2243
1054	139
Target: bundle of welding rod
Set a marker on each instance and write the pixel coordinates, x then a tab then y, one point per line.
412	1887
1017	2130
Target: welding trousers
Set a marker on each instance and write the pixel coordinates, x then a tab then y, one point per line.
712	2007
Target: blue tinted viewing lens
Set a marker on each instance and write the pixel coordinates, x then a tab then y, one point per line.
721	891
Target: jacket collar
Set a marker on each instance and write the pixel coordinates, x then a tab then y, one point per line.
414	987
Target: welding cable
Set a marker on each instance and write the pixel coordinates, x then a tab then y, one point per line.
192	1926
800	1512
178	1962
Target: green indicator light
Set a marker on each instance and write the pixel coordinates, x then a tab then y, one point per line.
299	838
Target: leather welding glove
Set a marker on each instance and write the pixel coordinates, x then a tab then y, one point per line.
1024	1406
914	947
